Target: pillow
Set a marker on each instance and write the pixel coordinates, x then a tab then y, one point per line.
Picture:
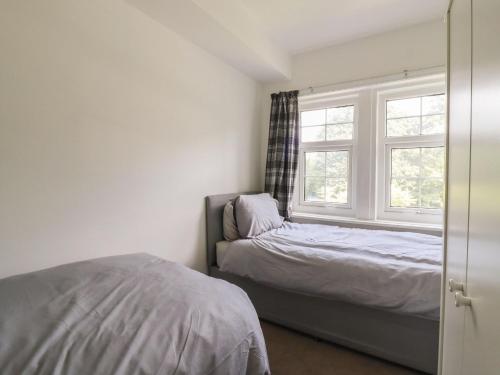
256	214
229	227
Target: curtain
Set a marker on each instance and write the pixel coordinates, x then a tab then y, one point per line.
283	149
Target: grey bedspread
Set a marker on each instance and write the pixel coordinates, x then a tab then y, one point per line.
131	314
395	271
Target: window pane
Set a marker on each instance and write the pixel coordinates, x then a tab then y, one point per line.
433	124
336	190
337	164
405	162
339	131
417	176
432	192
404	193
403	127
340	114
314	189
423	115
327	176
403	108
315	164
433	162
313	134
311	118
433	104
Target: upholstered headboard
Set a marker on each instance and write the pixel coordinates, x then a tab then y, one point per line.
214	210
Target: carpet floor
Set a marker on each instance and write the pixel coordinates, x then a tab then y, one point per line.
292	353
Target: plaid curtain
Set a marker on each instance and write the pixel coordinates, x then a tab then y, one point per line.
283	149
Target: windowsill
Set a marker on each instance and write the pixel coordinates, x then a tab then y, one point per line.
431	228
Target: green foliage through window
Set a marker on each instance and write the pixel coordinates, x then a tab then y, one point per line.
326	176
417	176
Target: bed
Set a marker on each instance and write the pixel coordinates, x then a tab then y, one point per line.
396	325
130	314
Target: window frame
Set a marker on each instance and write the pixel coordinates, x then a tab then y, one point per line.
367	157
385	145
349	145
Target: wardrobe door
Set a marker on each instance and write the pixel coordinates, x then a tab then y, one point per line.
457	222
482	320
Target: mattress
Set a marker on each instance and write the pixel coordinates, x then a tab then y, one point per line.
220	251
395	271
130	314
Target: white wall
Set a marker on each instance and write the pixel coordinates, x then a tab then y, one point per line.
417	47
112	131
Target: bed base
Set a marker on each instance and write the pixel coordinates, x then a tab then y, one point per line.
404	339
407	340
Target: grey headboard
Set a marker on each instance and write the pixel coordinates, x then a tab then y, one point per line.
214	209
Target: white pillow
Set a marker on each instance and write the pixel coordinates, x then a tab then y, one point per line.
229	223
256	214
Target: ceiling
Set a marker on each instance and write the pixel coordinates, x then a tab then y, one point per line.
300	25
258	37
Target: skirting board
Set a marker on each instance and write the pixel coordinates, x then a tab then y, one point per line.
408	340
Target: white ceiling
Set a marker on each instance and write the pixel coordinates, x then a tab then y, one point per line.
258	37
300	25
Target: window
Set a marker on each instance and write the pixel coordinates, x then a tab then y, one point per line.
375	152
423	115
327	135
416	177
326	176
328	124
411	155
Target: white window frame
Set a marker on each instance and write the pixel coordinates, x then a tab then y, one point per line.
387	144
350	145
368	151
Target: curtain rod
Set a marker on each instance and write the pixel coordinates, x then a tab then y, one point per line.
407	73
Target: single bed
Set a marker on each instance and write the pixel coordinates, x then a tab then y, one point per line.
131	314
366	292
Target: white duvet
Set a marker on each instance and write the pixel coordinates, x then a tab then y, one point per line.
398	271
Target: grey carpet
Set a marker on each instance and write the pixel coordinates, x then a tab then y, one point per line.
291	353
